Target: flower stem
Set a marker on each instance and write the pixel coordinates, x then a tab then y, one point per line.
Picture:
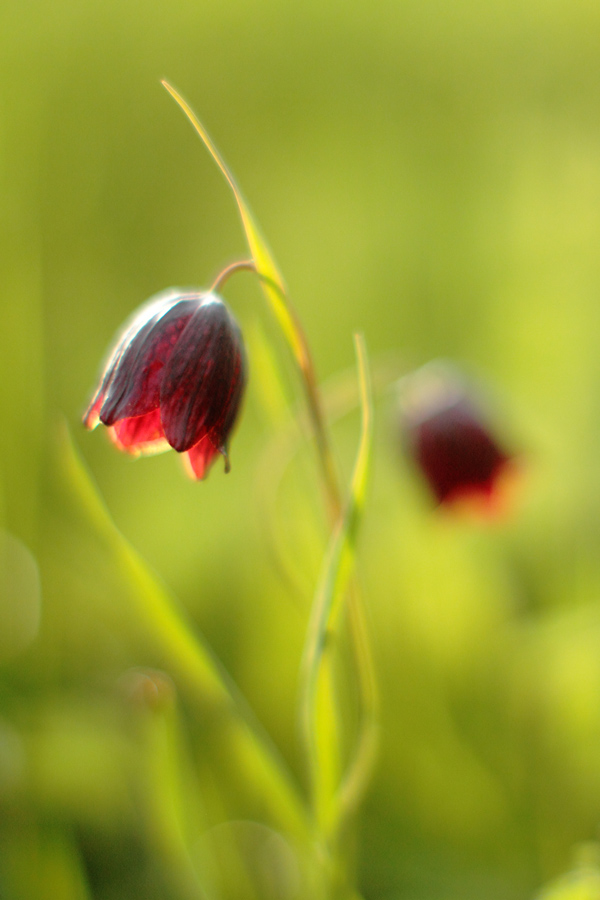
244	265
309	381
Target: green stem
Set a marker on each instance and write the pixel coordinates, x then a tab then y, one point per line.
309	380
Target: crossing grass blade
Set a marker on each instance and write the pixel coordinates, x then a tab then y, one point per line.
321	730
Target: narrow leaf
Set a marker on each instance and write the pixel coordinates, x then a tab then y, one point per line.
261	254
326	611
186	654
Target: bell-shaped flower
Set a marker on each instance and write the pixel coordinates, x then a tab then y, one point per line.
174	378
448	436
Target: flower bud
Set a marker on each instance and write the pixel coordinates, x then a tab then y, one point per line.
447	435
174	378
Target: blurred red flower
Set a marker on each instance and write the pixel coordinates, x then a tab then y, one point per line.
174	378
448	436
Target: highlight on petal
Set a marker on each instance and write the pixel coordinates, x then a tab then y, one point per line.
135	386
140	435
120	341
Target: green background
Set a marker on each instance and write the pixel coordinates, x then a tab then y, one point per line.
428	174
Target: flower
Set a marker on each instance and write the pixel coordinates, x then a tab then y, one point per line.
175	378
448	437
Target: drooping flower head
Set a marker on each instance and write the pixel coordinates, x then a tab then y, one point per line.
174	378
447	435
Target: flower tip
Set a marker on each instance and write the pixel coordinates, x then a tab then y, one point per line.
225	455
486	499
91	417
198	461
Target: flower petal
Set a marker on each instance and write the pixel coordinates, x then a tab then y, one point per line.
200	458
457	454
91	417
219	435
203	378
140	435
135	385
445	426
155	306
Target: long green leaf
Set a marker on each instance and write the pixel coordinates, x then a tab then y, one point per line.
187	656
259	248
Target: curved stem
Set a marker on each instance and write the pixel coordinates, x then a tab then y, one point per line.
244	265
309	381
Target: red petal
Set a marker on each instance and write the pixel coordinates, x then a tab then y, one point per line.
91	417
141	317
220	433
457	454
199	459
92	414
140	434
135	386
491	500
203	378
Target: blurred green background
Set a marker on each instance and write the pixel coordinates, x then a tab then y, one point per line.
427	173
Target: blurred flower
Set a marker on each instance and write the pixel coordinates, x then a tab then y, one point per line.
448	436
147	689
175	378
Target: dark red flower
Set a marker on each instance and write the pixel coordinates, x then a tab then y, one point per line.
448	436
175	378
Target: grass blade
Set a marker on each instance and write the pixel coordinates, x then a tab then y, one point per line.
318	706
186	656
277	296
261	254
